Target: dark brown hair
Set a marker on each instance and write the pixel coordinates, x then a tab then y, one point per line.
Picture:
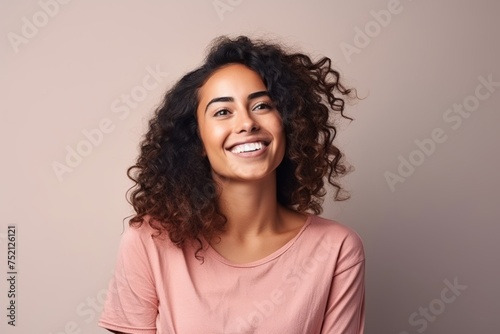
174	190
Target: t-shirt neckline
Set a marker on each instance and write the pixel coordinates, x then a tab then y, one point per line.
277	253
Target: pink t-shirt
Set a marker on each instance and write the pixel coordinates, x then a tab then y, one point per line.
313	284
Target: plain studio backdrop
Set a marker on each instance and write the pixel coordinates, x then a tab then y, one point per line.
80	80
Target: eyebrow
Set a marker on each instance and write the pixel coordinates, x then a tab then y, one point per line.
230	99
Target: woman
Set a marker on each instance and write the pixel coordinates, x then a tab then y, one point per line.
229	182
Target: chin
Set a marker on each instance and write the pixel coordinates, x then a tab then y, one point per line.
243	176
255	175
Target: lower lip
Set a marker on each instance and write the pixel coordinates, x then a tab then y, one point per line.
252	154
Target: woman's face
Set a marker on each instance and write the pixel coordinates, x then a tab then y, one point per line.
239	126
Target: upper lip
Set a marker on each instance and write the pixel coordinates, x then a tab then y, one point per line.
248	140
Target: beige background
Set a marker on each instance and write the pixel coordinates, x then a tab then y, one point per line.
71	73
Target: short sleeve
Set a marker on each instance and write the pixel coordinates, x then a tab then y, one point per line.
345	310
132	304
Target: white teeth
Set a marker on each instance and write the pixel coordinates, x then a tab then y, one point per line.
248	147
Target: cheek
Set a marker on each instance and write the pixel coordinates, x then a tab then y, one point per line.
278	128
213	137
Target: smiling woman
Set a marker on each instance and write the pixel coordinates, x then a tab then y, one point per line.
255	126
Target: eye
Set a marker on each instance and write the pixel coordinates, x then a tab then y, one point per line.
263	106
221	112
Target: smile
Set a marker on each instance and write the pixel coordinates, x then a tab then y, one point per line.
247	147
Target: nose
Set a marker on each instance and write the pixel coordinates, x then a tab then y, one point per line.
245	122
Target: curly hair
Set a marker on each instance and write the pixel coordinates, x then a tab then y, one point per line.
174	190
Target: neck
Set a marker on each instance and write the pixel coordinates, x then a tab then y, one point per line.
250	207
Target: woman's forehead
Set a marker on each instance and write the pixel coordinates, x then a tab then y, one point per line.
230	80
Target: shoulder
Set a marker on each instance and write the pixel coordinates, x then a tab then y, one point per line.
335	229
341	239
146	235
